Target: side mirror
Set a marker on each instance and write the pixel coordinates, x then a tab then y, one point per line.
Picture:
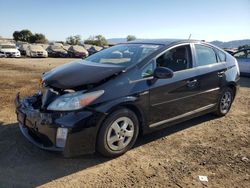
163	73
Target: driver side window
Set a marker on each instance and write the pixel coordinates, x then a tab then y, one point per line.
176	59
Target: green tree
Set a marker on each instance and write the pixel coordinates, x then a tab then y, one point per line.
38	38
97	40
26	35
17	35
23	35
74	40
131	37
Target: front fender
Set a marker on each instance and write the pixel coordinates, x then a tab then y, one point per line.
107	107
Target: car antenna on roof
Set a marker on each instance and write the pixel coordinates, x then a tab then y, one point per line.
189	36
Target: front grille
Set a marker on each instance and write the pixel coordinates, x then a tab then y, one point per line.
10	53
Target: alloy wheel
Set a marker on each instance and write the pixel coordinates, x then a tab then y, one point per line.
120	133
225	102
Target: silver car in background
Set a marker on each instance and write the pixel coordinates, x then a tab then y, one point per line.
34	50
243	58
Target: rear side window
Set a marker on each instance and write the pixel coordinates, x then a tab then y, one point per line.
221	55
204	55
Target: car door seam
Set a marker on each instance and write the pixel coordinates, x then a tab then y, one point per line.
207	91
183	115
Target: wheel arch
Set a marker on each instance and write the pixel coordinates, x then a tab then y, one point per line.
233	86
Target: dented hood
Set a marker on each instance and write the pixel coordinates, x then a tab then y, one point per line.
79	73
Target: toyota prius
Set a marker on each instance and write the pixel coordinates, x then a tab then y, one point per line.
103	102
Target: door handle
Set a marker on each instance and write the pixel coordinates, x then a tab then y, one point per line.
221	73
191	83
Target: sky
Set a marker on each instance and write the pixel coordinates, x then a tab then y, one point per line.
208	20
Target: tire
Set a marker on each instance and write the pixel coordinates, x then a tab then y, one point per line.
115	138
225	102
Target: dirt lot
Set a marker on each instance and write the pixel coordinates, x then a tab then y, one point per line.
215	147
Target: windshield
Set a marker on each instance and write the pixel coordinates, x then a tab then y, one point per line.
56	48
124	54
8	46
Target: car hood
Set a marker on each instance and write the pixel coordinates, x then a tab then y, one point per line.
9	50
59	50
79	73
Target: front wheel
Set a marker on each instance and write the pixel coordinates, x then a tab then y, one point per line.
118	133
225	102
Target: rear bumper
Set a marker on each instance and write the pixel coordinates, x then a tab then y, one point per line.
40	128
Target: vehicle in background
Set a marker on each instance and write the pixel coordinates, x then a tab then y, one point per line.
229	51
77	51
243	58
66	47
10	50
35	50
87	46
2	54
23	48
103	102
44	46
57	51
94	49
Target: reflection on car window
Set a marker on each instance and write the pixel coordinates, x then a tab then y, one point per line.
241	54
124	54
221	55
248	54
176	59
204	55
147	71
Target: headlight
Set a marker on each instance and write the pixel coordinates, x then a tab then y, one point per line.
74	101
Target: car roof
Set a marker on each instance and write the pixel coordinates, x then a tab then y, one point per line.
164	42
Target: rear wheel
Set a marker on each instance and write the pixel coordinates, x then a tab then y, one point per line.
225	102
118	133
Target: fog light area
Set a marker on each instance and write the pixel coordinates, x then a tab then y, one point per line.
61	137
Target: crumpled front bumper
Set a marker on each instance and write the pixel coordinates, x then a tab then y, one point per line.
40	128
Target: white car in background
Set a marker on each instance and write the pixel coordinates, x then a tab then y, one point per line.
36	51
243	58
9	50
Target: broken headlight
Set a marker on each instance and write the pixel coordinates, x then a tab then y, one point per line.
74	101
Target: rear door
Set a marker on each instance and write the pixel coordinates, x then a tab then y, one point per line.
211	73
173	97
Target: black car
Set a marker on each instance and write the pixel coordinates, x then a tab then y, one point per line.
103	102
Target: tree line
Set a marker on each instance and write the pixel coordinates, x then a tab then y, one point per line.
26	35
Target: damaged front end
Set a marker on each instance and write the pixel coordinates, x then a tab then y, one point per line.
70	132
60	118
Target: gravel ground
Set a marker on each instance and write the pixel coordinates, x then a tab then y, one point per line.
218	148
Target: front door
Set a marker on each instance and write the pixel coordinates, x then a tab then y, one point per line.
174	97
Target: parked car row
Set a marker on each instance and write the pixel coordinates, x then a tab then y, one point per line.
44	50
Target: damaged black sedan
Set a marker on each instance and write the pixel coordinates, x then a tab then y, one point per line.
103	102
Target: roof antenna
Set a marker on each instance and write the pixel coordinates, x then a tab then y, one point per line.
189	36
